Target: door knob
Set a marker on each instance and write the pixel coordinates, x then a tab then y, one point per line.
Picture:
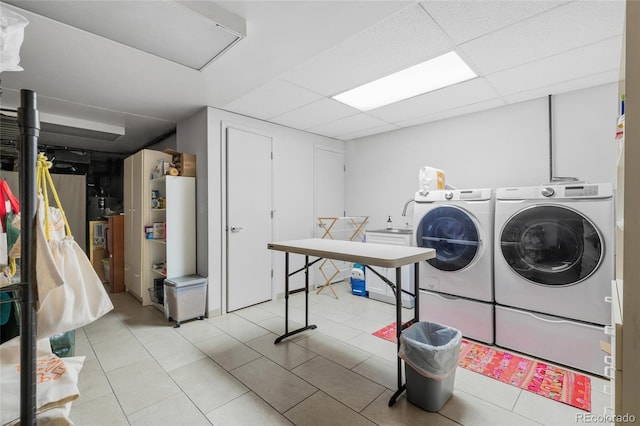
236	228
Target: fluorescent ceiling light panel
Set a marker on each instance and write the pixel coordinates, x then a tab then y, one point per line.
190	33
436	73
52	125
81	124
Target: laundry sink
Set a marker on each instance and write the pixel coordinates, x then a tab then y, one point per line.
393	231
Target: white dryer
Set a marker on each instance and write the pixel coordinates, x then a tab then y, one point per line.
457	285
553	265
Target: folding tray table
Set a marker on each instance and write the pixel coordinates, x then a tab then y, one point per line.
383	255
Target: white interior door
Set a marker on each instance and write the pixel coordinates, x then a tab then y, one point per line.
249	221
329	202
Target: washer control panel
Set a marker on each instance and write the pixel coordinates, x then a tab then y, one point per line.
547	191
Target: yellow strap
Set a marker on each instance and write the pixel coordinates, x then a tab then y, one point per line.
44	178
12	266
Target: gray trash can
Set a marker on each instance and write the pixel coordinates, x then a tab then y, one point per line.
430	352
185	298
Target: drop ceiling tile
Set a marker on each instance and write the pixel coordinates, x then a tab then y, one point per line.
467	109
576	64
565	86
466	20
405	38
315	114
557	30
347	125
468	92
368	132
272	99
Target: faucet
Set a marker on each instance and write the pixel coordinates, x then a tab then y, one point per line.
404	210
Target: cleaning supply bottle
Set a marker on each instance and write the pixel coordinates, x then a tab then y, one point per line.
389	223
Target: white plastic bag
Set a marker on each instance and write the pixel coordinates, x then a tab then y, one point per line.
431	179
11	36
431	349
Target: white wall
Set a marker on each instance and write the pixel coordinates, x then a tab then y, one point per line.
167	143
192	136
506	146
292	188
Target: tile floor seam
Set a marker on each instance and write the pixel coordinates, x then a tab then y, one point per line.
305	399
167	372
103	372
249	390
502	408
248	387
186	394
113	392
241	365
513	407
343	404
384	388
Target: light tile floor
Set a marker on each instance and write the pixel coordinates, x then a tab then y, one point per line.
139	370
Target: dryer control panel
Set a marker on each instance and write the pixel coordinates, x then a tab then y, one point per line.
581	191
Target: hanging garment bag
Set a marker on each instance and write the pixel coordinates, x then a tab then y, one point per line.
81	299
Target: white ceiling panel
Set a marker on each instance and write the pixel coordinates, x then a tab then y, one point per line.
466	20
347	125
272	99
468	92
404	39
593	59
315	114
368	132
566	86
467	109
283	35
560	29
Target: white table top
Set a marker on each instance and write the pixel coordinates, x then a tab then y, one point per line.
383	255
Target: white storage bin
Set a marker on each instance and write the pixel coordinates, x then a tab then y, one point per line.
473	318
560	340
185	298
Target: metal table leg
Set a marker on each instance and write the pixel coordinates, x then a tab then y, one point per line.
399	326
307	326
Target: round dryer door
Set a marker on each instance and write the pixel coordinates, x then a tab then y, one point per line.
452	233
551	245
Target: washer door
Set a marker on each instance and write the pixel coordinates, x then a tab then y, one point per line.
551	245
453	234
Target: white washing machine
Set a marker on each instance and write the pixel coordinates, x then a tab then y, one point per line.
457	285
553	265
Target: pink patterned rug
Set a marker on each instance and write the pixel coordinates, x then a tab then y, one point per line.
534	376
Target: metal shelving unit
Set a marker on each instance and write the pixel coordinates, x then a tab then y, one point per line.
24	291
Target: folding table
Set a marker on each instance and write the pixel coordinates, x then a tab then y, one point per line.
383	255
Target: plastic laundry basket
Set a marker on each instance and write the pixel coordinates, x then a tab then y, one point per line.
430	351
105	267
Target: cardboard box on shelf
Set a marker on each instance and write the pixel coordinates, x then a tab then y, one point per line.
185	163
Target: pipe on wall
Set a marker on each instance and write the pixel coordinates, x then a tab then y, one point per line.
551	172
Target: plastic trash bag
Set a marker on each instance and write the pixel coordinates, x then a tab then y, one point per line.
431	349
11	36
